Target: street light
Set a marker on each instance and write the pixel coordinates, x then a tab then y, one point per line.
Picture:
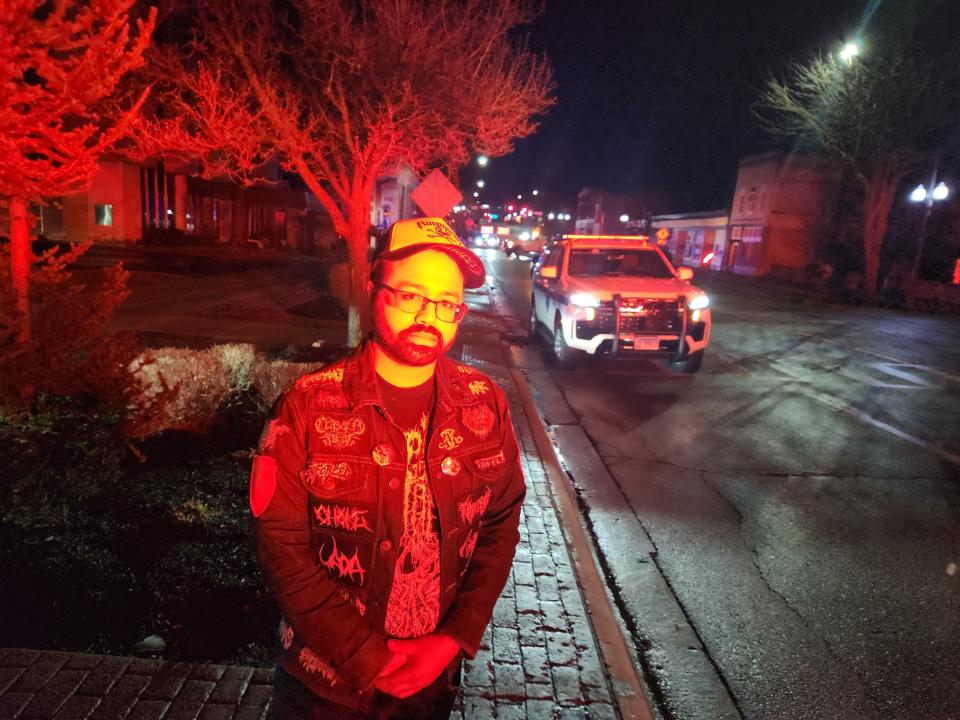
624	218
849	51
482	160
480	183
536	192
939	192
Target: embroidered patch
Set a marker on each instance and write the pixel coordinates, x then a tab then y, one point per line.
353	600
344	566
479	420
491	462
273	432
320	476
323	377
343	518
467	370
449	440
286	634
340	433
471	508
312	664
263	483
330	399
479	387
468	546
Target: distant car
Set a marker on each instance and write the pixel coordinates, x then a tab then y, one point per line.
594	295
523	241
485	240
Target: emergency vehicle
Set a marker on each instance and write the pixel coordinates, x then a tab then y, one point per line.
618	295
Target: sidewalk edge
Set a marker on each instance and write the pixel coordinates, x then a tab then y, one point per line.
628	689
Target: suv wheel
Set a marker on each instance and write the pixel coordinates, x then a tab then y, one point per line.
690	364
564	355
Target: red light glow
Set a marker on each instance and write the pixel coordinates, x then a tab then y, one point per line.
708	258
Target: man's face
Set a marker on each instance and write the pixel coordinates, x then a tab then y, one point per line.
417	338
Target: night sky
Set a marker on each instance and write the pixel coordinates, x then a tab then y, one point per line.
654	95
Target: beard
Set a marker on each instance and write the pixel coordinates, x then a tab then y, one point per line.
399	346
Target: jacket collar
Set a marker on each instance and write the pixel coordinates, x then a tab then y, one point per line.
361	387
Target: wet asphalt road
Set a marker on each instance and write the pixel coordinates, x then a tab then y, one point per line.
802	494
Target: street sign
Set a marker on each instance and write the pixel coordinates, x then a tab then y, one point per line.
436	195
662	235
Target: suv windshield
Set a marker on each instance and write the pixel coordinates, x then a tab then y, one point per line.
613	261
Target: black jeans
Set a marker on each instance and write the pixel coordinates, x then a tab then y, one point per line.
293	701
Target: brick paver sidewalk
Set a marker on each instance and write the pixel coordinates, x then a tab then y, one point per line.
539	658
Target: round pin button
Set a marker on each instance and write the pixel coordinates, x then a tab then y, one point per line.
382	454
394	483
385	545
450	466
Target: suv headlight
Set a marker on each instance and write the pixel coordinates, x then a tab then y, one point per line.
699	302
583	299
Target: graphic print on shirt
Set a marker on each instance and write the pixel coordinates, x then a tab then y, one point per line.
343	565
340	434
413	608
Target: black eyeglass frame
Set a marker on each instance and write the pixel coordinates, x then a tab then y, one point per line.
459	312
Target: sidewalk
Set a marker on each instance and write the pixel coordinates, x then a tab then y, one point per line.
539	658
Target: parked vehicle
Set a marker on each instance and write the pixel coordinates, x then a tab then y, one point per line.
620	296
522	240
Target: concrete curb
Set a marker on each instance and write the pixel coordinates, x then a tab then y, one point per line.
629	690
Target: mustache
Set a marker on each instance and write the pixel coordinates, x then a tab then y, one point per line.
407	332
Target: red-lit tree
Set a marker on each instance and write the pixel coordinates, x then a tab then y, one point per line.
339	91
59	61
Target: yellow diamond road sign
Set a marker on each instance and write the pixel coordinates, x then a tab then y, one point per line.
436	195
662	235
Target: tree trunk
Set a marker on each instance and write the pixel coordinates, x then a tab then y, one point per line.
21	257
358	244
881	187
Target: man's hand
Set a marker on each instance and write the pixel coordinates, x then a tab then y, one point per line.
426	657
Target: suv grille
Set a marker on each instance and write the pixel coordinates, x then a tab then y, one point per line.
639	316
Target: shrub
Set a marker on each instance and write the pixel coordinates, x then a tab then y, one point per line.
272	377
238	360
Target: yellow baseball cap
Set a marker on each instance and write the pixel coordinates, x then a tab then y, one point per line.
408	237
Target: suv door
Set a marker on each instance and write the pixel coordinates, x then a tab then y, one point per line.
544	301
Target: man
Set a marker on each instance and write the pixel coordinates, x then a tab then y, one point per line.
386	496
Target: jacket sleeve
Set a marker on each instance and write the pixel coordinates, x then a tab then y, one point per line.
327	622
497	541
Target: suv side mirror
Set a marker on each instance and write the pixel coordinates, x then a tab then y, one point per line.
550	272
685	274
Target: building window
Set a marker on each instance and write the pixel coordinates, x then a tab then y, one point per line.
103	214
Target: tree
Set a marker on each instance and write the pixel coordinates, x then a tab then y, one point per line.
884	115
341	91
59	61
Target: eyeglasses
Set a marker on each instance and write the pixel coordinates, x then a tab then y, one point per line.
411	302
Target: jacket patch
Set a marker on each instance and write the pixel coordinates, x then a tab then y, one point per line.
340	434
353	600
263	483
323	377
449	440
321	476
313	664
273	432
344	566
330	399
491	462
471	508
479	387
342	518
467	370
479	420
468	545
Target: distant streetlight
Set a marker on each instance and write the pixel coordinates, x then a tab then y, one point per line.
482	160
920	194
550	216
624	218
536	192
849	51
476	194
519	197
480	183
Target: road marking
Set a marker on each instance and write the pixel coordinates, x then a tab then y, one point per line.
899	361
866	417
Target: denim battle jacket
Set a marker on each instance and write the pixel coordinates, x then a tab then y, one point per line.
327	496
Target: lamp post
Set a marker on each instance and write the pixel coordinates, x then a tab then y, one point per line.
929	194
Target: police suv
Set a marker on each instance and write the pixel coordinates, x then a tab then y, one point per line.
618	295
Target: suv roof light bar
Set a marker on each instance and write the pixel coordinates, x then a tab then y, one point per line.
644	238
